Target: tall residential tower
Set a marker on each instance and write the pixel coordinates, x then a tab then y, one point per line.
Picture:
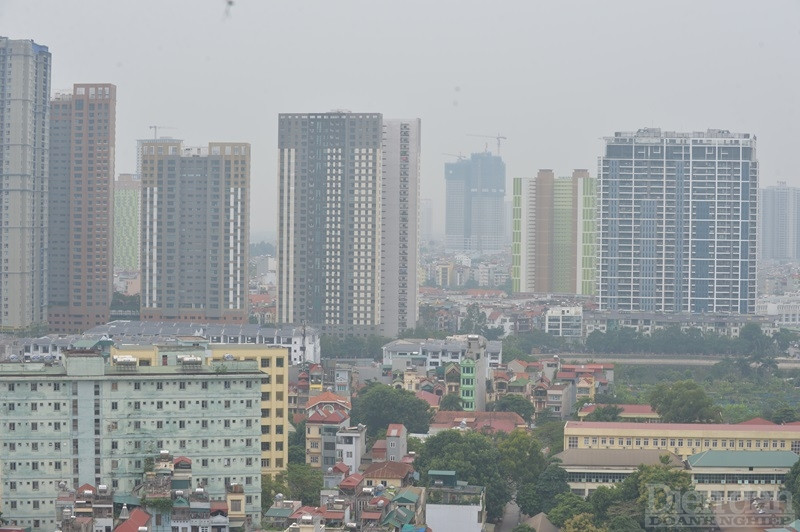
329	230
553	233
677	222
476	189
82	138
24	160
779	223
399	225
348	215
195	221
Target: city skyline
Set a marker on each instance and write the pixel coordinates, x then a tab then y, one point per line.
556	122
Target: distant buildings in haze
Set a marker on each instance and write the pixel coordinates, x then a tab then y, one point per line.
476	188
779	223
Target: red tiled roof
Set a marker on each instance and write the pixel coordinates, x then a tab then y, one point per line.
341	467
217	506
395	429
328	398
87	487
137	519
320	416
352	481
565	375
388	470
379	444
431	398
365	514
180	459
310	510
757	421
492	421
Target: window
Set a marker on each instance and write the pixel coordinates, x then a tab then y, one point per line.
35	485
182	385
137	405
114	405
12	426
34	446
137	385
34	426
57	407
572	442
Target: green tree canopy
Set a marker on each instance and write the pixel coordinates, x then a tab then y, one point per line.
568	505
684	402
474	458
450	403
515	403
304	483
540	496
583	523
379	405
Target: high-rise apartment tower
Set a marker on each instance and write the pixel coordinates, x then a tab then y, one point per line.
194	229
476	190
779	223
399	225
553	233
24	159
677	222
82	139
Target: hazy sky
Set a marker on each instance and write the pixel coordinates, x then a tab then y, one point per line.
553	76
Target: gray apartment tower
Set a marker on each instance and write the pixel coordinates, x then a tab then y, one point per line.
476	189
399	227
195	221
82	139
779	223
677	217
24	160
347	222
329	212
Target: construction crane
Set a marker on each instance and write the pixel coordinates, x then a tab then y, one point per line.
459	156
497	137
156	128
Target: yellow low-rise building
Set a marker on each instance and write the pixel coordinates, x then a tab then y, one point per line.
683	439
273	362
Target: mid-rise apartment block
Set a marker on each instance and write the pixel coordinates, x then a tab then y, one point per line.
677	222
127	212
81	204
273	399
476	189
553	233
195	221
91	422
24	165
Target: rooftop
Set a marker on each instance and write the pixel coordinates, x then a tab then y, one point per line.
711	458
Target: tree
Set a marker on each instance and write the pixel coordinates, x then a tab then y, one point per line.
271	486
474	458
583	523
624	523
515	403
474	322
792	484
540	496
550	435
297	444
450	403
684	402
783	414
379	405
304	483
568	505
605	413
523	528
521	458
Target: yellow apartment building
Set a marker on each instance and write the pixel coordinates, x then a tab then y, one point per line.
274	364
683	439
